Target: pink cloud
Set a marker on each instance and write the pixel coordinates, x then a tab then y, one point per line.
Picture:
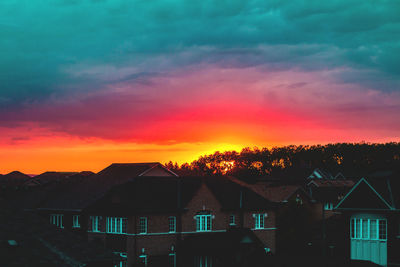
254	104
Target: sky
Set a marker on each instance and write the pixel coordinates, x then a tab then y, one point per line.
84	83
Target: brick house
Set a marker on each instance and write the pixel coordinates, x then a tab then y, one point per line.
150	218
373	219
64	200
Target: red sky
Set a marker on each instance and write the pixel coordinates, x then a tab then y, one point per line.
198	112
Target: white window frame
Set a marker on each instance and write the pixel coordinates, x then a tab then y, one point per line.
259	220
232	220
95	223
328	206
143	259
75	221
143	225
123	262
116	225
204	223
57	220
173	256
171	224
358	232
203	261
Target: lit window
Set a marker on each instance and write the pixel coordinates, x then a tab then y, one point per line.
373	230
365	229
369	229
259	221
172	224
57	219
203	223
143	225
232	219
358	228
95	223
75	221
116	225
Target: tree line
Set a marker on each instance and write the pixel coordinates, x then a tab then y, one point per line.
353	160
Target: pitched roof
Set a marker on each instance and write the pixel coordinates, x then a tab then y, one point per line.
320	174
14	178
149	194
86	192
162	194
332	183
130	170
383	188
279	193
50	177
230	191
40	244
52	193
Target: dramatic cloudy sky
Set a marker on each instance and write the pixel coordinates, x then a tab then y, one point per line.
84	83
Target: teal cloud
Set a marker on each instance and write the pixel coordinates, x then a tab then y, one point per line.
44	45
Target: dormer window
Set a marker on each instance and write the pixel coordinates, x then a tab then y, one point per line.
203	222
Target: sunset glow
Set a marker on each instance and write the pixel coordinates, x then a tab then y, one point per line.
87	83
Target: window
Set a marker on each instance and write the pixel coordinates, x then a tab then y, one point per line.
116	225
373	230
232	219
57	219
75	221
95	223
143	260
365	229
143	225
369	229
172	224
259	221
203	223
299	200
328	206
123	261
203	261
382	230
172	259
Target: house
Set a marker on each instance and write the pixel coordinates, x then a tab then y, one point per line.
148	218
27	239
13	180
69	198
320	174
294	215
327	194
373	218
